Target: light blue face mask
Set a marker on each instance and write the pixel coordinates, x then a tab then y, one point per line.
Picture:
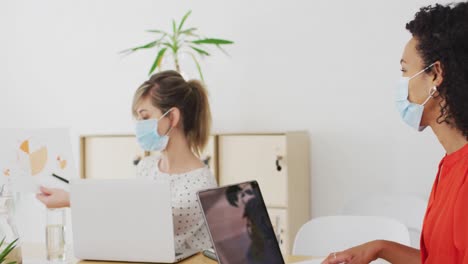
410	112
148	137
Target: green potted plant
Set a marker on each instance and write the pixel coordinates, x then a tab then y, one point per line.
181	40
6	252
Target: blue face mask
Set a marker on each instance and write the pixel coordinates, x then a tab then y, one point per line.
410	112
148	137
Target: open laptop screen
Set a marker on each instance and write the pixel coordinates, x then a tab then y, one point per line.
239	225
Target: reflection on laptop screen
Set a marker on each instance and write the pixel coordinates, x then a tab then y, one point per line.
239	225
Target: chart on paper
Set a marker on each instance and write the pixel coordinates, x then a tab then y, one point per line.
29	157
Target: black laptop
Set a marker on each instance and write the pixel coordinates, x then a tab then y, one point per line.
239	225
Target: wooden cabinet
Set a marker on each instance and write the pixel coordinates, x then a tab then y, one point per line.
113	156
280	164
244	158
279	218
278	161
109	157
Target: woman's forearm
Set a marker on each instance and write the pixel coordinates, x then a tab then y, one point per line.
398	254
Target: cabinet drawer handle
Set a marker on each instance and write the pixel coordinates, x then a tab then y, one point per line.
136	160
277	163
278	230
207	160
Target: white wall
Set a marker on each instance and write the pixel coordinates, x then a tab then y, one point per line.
328	67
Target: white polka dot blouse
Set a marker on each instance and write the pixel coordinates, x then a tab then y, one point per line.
190	231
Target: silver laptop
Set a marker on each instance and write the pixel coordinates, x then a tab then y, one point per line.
123	220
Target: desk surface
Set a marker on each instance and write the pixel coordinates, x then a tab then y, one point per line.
35	252
200	259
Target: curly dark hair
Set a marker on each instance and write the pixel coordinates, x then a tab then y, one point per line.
442	35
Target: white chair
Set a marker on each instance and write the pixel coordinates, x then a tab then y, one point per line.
324	235
408	209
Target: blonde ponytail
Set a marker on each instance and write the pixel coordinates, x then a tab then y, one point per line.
198	137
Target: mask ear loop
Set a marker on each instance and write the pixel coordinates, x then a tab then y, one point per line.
167	112
432	91
423	70
169	131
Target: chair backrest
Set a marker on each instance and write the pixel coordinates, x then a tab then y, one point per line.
407	209
323	235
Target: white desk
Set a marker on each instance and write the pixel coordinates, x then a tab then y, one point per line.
35	254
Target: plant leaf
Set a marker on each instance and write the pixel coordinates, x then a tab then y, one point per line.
183	19
213	41
146	46
188	32
198	67
174	28
5	253
200	51
222	50
8	249
171	46
13	262
3	241
157	61
157	31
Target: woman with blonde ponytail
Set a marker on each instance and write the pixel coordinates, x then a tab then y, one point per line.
172	116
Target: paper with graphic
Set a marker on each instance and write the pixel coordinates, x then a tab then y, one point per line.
29	157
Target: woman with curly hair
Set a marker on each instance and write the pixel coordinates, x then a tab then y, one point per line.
434	92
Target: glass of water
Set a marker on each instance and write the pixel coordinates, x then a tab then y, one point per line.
55	235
